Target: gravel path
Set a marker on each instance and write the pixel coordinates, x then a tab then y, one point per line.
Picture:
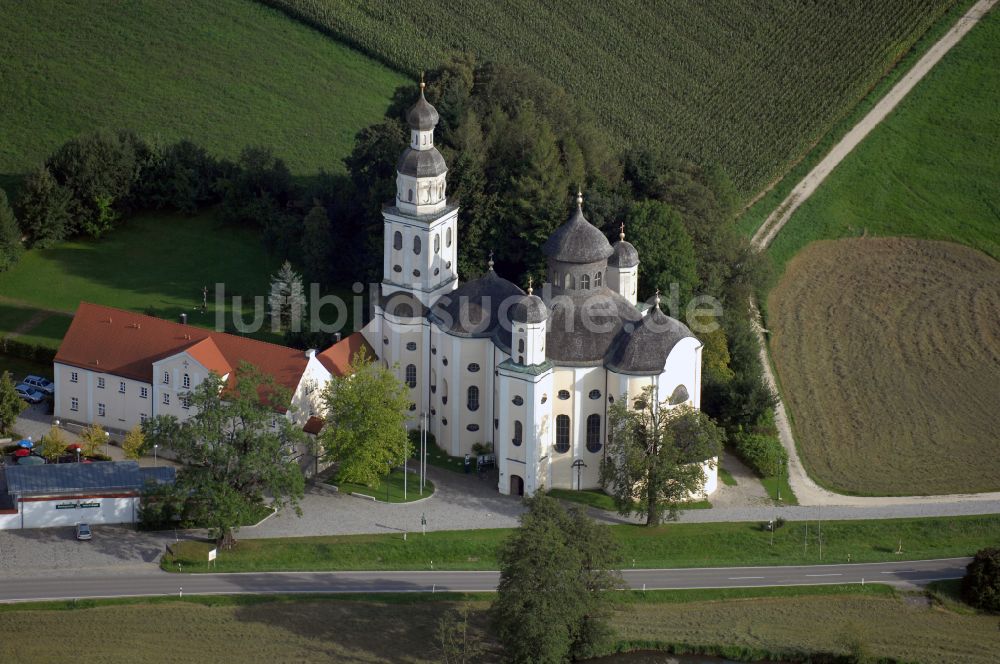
806	490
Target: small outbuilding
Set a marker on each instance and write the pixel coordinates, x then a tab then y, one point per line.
70	493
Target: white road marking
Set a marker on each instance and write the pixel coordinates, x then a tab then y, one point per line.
824	575
737	578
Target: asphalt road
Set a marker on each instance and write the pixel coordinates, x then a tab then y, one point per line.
900	573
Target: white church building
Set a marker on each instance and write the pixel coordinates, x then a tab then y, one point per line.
487	362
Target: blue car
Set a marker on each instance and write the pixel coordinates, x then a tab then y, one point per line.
43	385
29	394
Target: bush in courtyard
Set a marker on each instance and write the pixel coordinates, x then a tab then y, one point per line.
981	583
763	453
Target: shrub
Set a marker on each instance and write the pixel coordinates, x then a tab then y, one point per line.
762	452
27	351
981	583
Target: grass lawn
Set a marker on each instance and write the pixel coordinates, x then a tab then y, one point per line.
395	488
129	269
670	545
930	170
771	622
726	477
602	501
777	487
225	74
440	459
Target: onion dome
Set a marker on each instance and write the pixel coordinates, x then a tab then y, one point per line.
475	308
645	349
623	253
421	163
422	116
529	309
584	324
577	240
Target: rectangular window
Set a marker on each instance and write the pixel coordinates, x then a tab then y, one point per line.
143	392
186	402
143	417
121	387
74	404
166	399
100	383
100	410
187	381
74	377
166	377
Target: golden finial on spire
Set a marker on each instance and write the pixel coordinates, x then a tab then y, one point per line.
621	232
656	299
422	84
489	263
579	198
530	289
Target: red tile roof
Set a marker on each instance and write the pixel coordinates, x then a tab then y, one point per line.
337	358
126	344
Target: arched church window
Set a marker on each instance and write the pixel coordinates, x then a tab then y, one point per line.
562	434
585	282
518	433
594	433
568	283
444	391
441	190
598	278
416	245
520	345
473	401
437	243
397	240
447	238
411	375
409	195
679	396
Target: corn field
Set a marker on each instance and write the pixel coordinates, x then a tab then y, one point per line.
747	84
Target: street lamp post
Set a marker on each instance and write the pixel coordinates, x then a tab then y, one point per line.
107	444
155	447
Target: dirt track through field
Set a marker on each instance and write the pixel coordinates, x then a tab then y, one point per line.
777	219
806	490
889	353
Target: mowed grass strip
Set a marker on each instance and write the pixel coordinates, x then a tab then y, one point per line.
671	545
225	74
398	491
929	170
886	350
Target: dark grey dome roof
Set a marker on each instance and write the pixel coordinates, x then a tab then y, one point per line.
577	241
583	324
644	350
422	116
623	255
529	309
421	163
478	308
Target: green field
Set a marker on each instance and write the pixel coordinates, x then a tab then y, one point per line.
225	74
762	622
929	170
750	86
156	263
670	545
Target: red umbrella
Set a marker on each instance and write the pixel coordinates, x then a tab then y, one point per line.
74	446
22	452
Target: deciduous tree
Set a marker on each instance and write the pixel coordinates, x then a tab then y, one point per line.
235	450
10	235
11	405
365	432
53	444
43	208
555	573
655	455
134	444
93	438
665	249
981	583
317	244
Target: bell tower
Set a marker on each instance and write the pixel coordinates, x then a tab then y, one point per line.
420	227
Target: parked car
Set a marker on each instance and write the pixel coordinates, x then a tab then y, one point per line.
29	394
83	531
41	384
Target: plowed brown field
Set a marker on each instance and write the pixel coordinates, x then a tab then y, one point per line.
888	355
